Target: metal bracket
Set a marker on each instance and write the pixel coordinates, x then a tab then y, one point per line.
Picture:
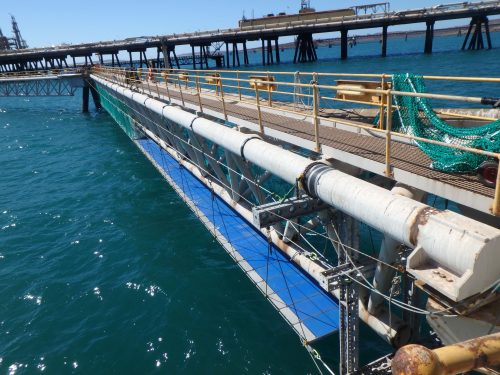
272	213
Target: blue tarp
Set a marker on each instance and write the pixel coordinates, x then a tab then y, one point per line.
313	307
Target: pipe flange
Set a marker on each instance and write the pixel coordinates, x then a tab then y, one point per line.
303	179
242	154
192	122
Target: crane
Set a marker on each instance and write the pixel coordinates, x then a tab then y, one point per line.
305	6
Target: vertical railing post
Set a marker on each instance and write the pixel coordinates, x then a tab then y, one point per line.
222	97
257	99
165	76
199	93
496	200
388	127
156	84
147	81
269	94
382	104
315	112
180	89
239	84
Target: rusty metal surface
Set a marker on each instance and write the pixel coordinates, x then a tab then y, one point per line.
452	359
403	156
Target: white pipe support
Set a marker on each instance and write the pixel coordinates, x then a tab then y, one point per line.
388	254
454	254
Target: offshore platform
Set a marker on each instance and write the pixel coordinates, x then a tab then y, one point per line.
16	41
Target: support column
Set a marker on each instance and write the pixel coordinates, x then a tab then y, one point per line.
205	55
270	58
234	54
277	48
487	31
245	53
384	41
263	53
85	98
429	36
130	58
388	254
237	53
227	54
95	97
304	48
193	56
476	41
175	58
343	44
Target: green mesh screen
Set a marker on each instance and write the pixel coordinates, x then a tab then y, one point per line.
118	110
415	116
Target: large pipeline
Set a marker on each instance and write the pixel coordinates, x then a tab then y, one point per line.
452	359
449	239
388	326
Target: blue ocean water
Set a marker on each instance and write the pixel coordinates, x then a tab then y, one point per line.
103	269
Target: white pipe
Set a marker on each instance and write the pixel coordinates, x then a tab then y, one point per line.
407	221
390	328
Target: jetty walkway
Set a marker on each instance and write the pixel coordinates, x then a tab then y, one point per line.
347	136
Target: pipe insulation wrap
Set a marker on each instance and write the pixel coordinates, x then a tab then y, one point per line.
437	236
389	213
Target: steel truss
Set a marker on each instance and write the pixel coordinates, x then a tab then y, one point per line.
37	87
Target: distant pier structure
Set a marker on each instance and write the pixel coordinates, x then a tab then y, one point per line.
209	45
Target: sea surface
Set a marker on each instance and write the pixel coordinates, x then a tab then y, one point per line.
103	269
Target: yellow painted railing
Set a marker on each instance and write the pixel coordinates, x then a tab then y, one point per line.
312	99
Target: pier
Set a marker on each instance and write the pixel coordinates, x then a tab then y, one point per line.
236	39
263	159
222	139
347	199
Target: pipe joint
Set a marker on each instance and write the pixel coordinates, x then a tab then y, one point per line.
242	148
309	177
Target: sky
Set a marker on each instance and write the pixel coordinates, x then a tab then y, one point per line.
53	22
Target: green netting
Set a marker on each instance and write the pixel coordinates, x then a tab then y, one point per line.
118	110
415	116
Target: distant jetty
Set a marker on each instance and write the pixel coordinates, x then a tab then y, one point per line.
369	38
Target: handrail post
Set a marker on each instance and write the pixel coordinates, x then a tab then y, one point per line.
315	113
269	93
149	87
239	83
180	90
382	105
166	85
495	210
222	97
388	127
199	93
257	98
157	88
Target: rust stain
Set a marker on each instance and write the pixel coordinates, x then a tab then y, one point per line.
413	359
421	219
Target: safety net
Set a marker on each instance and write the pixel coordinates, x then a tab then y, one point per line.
415	116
